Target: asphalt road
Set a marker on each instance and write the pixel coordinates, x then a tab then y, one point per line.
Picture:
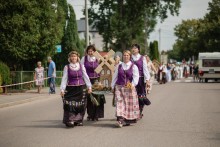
181	115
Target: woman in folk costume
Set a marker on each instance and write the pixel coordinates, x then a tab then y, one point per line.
160	73
144	78
73	91
124	80
152	71
91	63
168	73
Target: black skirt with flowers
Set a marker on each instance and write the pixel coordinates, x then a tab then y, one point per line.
74	103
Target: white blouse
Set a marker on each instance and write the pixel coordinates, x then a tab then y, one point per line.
126	66
75	66
146	72
90	59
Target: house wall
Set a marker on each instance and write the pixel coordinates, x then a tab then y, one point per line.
95	38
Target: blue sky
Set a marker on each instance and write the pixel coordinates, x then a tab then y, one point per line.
190	9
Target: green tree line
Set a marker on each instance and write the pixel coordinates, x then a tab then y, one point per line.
30	30
198	35
121	22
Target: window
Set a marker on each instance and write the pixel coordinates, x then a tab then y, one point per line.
105	83
211	62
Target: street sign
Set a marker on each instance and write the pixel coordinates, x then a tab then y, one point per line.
59	48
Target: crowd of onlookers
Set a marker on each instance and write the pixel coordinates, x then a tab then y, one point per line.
168	72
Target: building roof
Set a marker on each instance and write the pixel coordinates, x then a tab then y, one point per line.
81	26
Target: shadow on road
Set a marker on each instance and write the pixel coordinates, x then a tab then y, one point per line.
216	137
103	123
46	124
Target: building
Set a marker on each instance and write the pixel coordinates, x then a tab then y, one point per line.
94	36
164	58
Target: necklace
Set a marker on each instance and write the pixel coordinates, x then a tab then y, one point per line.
73	65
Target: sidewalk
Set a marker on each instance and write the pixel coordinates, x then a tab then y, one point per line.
12	99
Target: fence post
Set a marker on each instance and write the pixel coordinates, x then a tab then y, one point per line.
21	79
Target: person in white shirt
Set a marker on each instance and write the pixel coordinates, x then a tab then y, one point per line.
124	80
117	60
152	71
73	91
144	78
168	73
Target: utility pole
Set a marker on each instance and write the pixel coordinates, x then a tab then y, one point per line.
159	40
145	35
86	24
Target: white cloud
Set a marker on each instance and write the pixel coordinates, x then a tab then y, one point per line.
78	6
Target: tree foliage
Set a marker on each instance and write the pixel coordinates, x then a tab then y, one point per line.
187	33
4	73
154	51
70	40
211	28
198	35
29	31
125	20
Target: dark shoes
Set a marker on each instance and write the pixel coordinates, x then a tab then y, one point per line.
120	124
78	124
70	124
92	119
146	101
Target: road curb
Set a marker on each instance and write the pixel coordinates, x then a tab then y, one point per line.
25	101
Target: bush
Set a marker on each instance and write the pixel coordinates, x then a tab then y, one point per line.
5	74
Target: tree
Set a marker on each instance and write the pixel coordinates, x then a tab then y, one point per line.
29	31
70	40
210	34
187	33
198	35
157	53
154	51
103	23
125	20
174	53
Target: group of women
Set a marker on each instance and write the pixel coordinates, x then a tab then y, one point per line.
130	79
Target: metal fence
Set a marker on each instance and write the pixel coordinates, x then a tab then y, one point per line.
26	76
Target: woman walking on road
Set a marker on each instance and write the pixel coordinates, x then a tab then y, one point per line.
124	80
73	91
152	71
91	63
39	77
141	63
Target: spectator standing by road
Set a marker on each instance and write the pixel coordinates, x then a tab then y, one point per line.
39	76
51	75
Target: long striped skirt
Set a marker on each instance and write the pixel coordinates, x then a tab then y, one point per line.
74	104
127	106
